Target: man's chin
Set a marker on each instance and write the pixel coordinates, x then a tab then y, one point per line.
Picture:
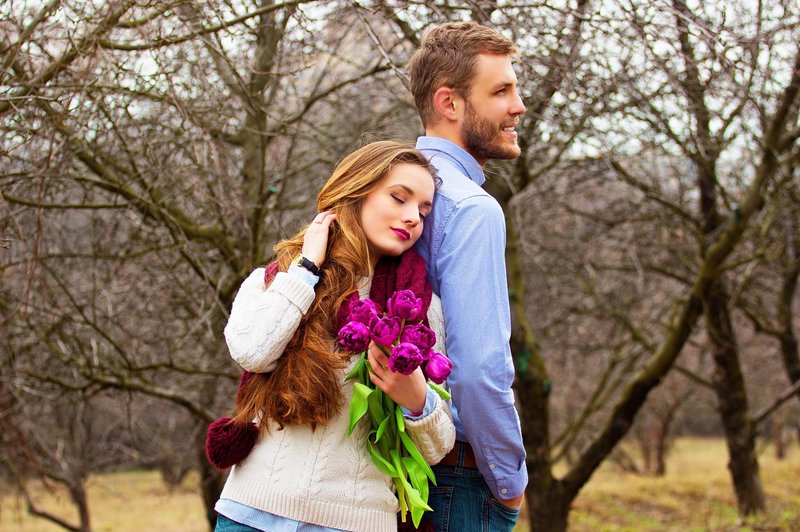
507	152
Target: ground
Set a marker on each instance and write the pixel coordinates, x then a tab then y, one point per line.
696	494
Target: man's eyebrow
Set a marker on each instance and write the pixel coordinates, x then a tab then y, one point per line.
503	84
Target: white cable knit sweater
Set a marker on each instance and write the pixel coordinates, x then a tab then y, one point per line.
322	476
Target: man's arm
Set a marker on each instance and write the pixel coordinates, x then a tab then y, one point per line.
470	267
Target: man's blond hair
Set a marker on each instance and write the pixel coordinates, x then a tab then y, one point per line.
447	57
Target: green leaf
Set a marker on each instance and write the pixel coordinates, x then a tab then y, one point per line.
401	425
375	405
382	428
357	368
420	482
441	392
358	405
380	462
412	493
416	476
415	454
401	497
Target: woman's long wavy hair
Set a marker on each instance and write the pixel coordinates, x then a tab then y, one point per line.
306	386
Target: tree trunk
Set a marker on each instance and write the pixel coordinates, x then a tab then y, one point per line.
662	433
549	509
77	492
548	506
788	339
733	407
661	444
778	428
211	483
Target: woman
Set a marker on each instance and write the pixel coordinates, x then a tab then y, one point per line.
303	472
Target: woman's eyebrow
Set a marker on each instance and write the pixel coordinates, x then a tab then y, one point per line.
426	203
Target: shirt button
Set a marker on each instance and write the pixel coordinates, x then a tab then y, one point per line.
503	491
491	466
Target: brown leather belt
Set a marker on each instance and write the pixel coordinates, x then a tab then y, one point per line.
451	458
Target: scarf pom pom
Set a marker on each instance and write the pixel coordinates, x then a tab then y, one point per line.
227	444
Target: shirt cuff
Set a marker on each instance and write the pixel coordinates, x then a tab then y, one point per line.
430	405
303	274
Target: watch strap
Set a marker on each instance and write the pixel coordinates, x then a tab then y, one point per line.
308	265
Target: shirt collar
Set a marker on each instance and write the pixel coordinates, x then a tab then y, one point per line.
456	154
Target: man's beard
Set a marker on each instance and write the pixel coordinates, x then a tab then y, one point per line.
484	139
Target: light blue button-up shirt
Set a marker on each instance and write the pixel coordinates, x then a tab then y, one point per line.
463	242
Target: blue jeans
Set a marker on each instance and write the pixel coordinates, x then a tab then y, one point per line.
229	525
462	502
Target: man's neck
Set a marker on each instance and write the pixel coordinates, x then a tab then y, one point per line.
452	136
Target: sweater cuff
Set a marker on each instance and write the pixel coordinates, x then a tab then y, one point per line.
434	435
297	291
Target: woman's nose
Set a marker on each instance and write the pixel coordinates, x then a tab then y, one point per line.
411	216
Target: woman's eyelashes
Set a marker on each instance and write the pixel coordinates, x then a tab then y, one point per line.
401	201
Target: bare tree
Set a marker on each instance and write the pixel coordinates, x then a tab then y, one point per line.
690	98
152	154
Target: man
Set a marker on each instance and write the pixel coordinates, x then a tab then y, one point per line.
465	90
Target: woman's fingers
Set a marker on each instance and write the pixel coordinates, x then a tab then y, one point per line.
377	359
315	241
406	390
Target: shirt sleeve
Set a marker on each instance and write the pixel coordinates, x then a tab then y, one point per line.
301	273
471	273
430	404
264	319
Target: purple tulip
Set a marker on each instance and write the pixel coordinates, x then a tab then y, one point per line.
404	305
405	358
354	337
438	367
363	311
421	336
386	330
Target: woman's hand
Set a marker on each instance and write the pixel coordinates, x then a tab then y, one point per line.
315	241
408	391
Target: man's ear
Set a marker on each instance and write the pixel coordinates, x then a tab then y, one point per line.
447	104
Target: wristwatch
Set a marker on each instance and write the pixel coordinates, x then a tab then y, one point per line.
307	264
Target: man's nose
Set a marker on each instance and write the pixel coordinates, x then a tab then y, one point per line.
518	106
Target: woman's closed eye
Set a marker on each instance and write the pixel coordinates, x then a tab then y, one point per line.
401	200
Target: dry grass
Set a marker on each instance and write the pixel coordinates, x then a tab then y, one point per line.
133	501
696	494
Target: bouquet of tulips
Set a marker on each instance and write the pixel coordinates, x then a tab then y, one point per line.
408	344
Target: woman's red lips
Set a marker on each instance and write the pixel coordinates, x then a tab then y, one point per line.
402	234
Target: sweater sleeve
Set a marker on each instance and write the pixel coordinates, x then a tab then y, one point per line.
434	435
263	319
